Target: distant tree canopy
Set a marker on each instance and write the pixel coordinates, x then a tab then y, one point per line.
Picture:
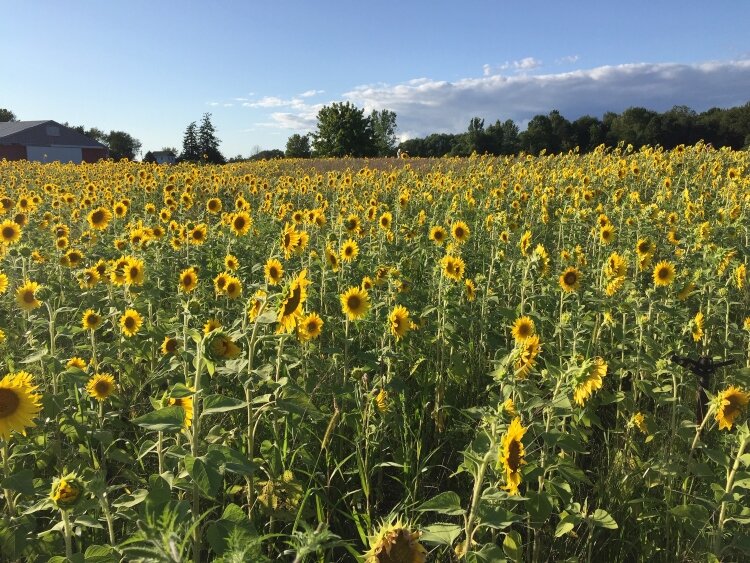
7	115
298	146
200	144
553	133
343	130
121	145
267	155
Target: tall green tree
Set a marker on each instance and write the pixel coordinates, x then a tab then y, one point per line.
122	145
208	143
343	130
298	146
191	151
384	130
7	115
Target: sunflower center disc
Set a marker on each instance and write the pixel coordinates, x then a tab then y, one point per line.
9	402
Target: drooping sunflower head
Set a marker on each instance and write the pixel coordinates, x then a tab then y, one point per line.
91	320
589	380
512	455
395	542
522	329
664	273
19	403
290	311
570	279
527	351
66	491
729	404
100	386
130	322
169	346
187	405
26	296
355	303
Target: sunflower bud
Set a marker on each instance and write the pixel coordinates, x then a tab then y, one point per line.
66	491
219	347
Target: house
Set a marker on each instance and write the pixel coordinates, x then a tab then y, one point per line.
47	141
164	157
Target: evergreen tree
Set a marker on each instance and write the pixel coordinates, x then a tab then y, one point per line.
190	147
208	143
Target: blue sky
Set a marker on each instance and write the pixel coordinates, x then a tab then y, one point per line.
264	69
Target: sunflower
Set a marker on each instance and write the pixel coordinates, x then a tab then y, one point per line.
644	247
290	239
256	305
522	329
310	327
66	491
290	312
135	271
231	263
349	251
512	455
617	266
3	283
381	401
76	362
220	282
198	234
729	404
131	322
100	386
220	347
606	234
26	296
638	421
99	218
528	350
332	258
19	404
460	231
169	346
355	303
211	324
274	271
438	235
213	205
187	405
233	288
241	223
385	221
399	321
367	283
395	542
589	380
525	243
740	276
88	278
697	328
570	279
188	280
351	224
663	274
10	232
453	267
91	320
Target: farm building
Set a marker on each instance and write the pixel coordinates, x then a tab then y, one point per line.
47	141
164	157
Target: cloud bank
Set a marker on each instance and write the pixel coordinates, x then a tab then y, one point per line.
425	105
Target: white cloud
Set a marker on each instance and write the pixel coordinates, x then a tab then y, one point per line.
311	93
521	65
427	106
213	104
568	59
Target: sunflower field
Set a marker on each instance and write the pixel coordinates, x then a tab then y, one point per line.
484	359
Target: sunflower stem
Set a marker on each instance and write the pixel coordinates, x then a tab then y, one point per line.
719	537
68	532
6	470
475	498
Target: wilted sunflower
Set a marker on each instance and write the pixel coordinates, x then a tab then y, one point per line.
729	404
355	303
169	346
274	271
399	321
349	251
394	542
19	403
10	232
663	274
100	386
26	296
512	455
310	327
460	231
570	279
523	328
99	218
91	320
290	312
188	280
131	322
438	235
589	381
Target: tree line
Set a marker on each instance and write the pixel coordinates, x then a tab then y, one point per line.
345	130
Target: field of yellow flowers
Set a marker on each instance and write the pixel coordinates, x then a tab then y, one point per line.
485	359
